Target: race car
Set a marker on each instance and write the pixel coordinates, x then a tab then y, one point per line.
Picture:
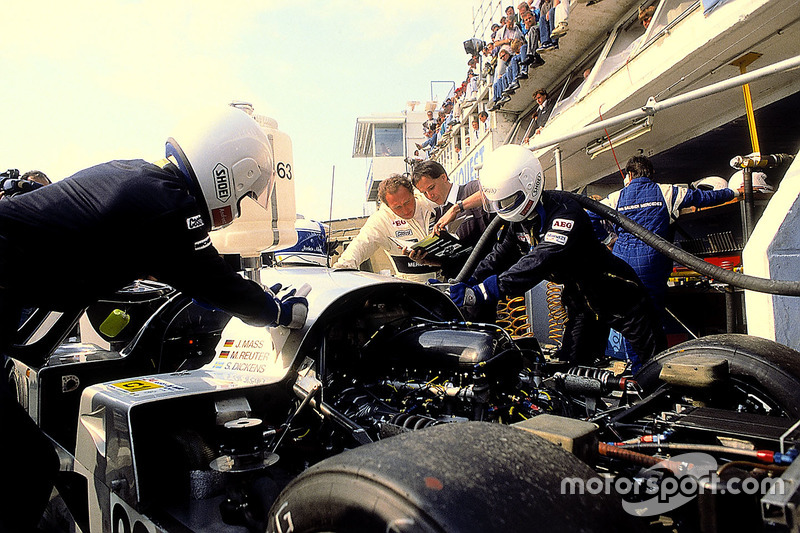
388	411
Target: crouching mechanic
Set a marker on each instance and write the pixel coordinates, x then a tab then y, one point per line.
551	238
116	222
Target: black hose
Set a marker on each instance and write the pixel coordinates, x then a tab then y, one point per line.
478	252
784	288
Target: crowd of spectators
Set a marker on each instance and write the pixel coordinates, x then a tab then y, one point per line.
513	48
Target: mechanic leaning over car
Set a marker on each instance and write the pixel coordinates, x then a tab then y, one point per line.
551	238
111	224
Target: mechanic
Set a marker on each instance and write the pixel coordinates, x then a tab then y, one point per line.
116	222
403	218
655	206
459	208
550	237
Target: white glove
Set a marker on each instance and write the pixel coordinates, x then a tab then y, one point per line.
292	306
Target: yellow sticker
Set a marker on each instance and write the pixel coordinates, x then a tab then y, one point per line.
137	385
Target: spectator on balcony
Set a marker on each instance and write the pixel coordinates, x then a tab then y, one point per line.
560	14
542	113
498	99
535	8
512	16
645	17
495	28
531	59
483	116
430	122
546	24
472	86
509	32
524	8
516	71
490	60
430	142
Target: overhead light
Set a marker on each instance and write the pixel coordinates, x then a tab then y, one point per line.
473	46
603	144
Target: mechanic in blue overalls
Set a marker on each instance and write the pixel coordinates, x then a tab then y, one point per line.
654	206
551	238
111	224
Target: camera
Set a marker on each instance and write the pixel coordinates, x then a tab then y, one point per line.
11	184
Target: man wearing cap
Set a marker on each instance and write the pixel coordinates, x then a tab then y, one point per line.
495	29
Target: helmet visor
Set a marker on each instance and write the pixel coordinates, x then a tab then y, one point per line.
505	204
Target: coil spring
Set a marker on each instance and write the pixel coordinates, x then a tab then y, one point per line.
590	372
512	316
407	421
556	313
608	380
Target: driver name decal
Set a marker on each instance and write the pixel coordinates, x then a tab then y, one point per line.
245	355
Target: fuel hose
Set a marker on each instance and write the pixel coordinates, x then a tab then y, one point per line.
481	249
737	279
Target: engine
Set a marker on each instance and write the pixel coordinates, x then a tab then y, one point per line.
415	373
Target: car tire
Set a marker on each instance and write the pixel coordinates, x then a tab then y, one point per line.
472	476
761	364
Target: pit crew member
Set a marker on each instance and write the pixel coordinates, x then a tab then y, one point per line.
110	224
550	237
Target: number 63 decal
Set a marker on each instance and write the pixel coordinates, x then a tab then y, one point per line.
284	170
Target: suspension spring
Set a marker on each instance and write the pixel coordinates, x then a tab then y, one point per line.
407	421
591	381
512	315
556	313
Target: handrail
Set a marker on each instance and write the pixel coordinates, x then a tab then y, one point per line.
652	106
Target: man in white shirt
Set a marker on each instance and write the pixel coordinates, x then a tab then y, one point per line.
403	218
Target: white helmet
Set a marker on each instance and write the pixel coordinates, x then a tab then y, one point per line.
512	182
711	183
226	156
759	181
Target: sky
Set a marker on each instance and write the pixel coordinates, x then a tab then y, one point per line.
86	82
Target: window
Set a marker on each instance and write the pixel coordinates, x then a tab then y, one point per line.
626	41
670	12
389	140
573	88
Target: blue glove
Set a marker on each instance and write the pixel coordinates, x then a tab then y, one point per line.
486	291
458	293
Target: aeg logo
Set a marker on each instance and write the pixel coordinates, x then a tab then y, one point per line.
222	182
563	224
